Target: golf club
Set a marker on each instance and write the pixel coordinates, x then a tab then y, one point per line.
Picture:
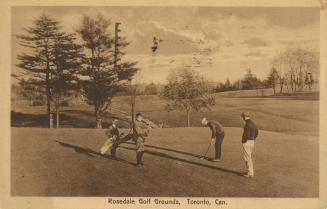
203	156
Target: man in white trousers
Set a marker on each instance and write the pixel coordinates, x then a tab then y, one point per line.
250	133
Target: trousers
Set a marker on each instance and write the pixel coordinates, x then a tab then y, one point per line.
248	147
140	145
218	143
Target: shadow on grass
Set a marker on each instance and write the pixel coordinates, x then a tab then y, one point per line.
19	119
90	153
67	119
159	154
173	150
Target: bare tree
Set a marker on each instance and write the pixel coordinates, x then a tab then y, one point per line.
307	65
272	79
278	63
294	67
187	91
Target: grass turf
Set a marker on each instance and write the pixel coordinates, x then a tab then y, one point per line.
66	162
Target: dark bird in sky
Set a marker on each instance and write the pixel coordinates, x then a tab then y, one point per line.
155	44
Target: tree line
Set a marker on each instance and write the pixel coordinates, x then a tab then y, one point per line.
292	71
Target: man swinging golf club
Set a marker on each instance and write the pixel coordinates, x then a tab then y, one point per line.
140	133
217	136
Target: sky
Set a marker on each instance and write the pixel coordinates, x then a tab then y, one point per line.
216	42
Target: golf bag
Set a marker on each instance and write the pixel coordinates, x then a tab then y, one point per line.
106	147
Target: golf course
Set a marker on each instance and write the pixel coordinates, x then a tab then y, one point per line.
189	100
67	161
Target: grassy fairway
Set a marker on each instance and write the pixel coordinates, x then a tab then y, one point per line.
66	162
286	115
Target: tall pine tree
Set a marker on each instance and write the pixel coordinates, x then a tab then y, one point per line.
40	39
50	60
103	79
67	62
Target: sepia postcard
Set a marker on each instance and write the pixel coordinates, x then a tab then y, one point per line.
163	104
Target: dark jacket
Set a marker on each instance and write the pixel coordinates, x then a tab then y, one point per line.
215	127
250	131
113	132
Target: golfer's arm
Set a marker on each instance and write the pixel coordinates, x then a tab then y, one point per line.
213	130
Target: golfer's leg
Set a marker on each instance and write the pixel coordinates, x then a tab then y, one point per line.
137	144
250	162
139	151
141	157
250	168
138	158
221	139
113	151
125	139
246	155
218	148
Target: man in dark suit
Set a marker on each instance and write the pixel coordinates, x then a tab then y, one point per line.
217	136
250	133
